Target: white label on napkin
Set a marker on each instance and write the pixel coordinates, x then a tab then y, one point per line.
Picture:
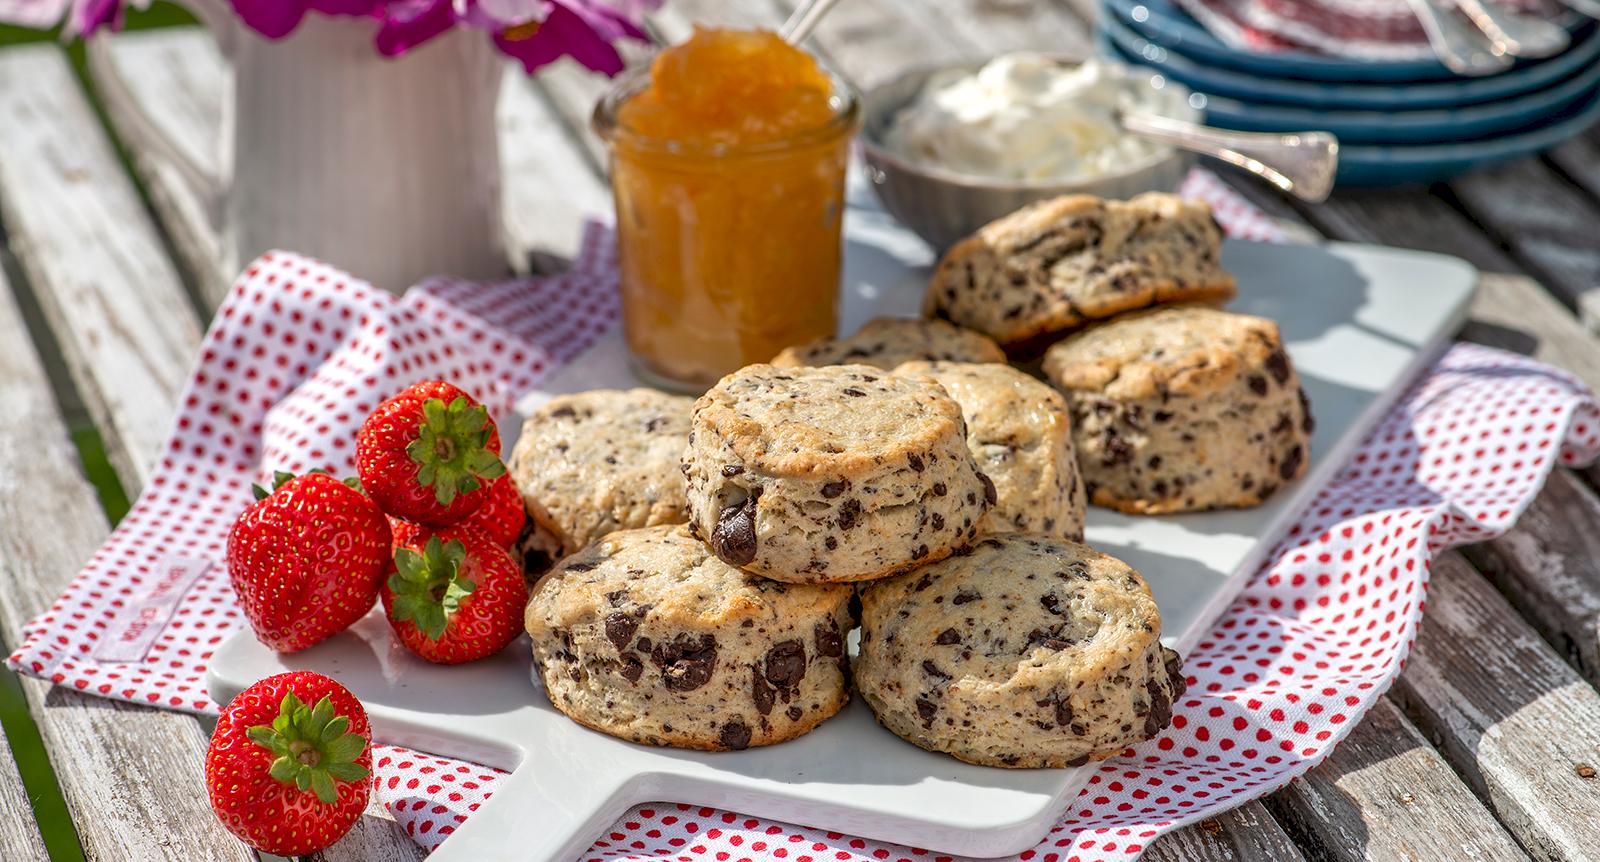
136	627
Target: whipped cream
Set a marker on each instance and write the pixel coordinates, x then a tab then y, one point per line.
1026	117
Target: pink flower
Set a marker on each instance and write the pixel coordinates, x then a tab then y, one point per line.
584	29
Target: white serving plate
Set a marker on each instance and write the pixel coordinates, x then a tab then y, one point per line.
1359	321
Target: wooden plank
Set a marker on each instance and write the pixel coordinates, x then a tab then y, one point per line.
1549	567
1547	222
1509	715
370	840
95	261
177	78
550	185
129	775
19	834
175	74
1245	834
1384	793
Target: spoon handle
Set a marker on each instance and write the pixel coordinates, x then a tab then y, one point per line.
1584	7
1300	163
1514	33
804	20
1460	47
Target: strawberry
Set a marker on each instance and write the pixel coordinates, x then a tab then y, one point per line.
288	766
454	595
427	454
306	559
502	515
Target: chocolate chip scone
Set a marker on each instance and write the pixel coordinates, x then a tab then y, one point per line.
595	462
646	636
1020	434
1027	652
1183	409
885	342
1062	263
842	473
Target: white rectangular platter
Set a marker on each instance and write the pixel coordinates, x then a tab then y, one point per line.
1359	322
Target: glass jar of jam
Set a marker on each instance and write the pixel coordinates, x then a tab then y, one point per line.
727	162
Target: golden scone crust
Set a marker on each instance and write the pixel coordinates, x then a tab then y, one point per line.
1183	409
1027	652
647	636
1063	263
885	342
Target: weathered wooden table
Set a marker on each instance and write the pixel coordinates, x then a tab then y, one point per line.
1487	748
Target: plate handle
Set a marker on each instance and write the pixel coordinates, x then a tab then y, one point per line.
540	814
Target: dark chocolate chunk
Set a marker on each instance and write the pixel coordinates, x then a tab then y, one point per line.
1160	714
915	461
1257	383
735	735
562	412
686	663
948	637
933	670
579	567
620	628
731	470
926	710
854	392
786	663
1278	365
1116	450
1051	603
829	642
615	597
849	513
833	489
760	692
1291	462
1174	668
631	667
938	522
734	537
1308	424
964	596
939	490
989	493
794	713
1063	712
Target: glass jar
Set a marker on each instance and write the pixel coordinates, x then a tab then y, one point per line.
729	253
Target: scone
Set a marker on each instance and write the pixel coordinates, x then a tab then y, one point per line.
842	473
646	636
1062	263
885	342
1027	652
1183	409
595	462
1020	434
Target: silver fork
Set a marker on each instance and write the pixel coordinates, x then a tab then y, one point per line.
1515	33
1463	49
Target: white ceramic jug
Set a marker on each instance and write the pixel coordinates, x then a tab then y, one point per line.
387	168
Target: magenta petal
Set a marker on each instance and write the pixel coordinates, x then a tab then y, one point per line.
87	16
563	32
408	24
273	19
345	7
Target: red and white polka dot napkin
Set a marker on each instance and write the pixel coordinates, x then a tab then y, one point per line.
300	352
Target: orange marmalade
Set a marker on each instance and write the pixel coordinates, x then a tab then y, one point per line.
728	165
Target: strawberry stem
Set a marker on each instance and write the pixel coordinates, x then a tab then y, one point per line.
428	587
451	450
313	746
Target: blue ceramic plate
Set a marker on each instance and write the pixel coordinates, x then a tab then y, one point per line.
1252	88
1386	166
1166	24
1430	125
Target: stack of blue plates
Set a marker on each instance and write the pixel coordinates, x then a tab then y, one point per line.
1408	121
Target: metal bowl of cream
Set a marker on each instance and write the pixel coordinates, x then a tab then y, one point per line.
951	148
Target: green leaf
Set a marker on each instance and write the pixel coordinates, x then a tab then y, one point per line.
322	713
284	769
335	728
346	748
279	477
322	783
302	777
259	492
347	771
266	737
